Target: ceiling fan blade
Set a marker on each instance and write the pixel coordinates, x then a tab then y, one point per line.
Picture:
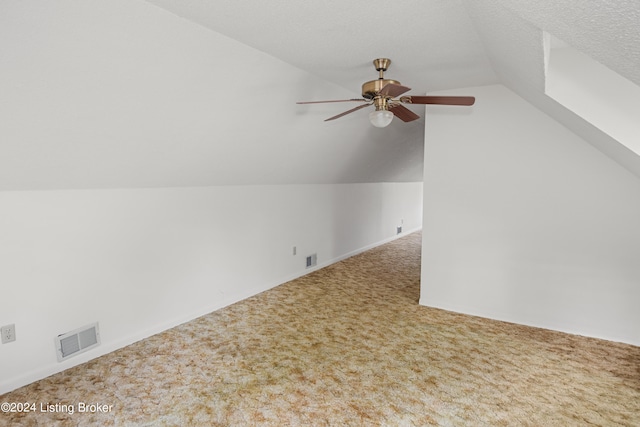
403	113
393	90
347	112
441	100
338	100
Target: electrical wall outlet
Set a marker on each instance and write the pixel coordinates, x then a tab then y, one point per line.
8	333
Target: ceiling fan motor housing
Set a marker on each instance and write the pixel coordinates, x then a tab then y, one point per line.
371	89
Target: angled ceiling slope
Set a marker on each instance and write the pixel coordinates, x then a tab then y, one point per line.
515	34
126	94
439	44
433	44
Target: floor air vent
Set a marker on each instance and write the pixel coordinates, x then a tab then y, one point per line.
77	341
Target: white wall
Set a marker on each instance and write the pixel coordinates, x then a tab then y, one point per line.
142	260
526	222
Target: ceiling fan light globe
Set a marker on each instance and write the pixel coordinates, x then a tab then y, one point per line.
380	118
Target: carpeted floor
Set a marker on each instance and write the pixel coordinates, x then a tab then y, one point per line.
347	345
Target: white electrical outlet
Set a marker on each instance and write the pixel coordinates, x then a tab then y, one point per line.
8	333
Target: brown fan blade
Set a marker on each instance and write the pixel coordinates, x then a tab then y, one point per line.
403	113
347	112
393	90
442	100
338	100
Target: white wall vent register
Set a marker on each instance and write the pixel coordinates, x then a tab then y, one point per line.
77	341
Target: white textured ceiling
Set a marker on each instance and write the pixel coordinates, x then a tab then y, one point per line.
512	32
132	93
608	31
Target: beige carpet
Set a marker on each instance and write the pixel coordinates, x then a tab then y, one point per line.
348	345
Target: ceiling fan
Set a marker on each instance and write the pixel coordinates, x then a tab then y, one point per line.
384	94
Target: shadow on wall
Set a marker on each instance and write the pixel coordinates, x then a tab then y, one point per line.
391	154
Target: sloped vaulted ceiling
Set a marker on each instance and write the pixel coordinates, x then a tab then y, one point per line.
512	32
439	44
189	93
